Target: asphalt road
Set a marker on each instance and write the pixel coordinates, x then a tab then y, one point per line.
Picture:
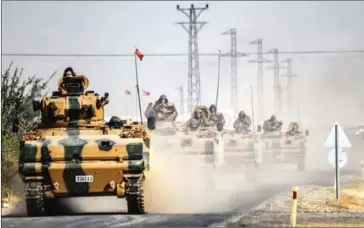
114	210
234	196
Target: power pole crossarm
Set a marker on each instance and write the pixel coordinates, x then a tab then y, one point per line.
194	81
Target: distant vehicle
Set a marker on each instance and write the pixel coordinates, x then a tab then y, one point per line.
281	147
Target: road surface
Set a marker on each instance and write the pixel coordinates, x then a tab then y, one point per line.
239	198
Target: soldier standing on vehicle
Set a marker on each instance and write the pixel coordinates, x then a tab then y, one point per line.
243	123
68	73
216	119
164	109
272	124
197	120
293	129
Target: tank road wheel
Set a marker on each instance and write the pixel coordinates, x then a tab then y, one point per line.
36	204
135	196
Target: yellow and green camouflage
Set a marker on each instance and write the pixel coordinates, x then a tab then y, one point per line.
72	152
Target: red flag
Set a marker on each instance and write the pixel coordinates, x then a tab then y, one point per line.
146	93
127	92
139	54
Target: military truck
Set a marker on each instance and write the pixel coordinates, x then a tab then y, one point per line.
206	142
281	147
72	152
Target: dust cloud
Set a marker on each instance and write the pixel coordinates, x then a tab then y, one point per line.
182	183
334	93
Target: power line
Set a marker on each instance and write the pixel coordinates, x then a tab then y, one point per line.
177	54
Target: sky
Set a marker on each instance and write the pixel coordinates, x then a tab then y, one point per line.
329	85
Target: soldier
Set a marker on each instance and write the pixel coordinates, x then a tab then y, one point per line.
215	118
293	129
243	123
164	109
115	123
198	120
272	124
68	73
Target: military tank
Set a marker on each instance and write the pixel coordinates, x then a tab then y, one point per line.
283	147
205	142
73	153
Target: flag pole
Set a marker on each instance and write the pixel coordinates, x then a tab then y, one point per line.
136	106
125	104
137	86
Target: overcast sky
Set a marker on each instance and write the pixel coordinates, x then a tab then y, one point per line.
116	27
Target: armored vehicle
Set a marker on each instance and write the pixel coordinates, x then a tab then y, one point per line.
284	147
242	149
130	129
167	132
73	153
205	141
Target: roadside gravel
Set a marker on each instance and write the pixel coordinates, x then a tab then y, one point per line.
316	205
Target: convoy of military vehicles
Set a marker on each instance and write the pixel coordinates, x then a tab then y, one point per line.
73	152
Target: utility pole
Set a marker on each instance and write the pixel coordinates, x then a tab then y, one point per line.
194	81
181	100
277	85
289	74
260	90
234	69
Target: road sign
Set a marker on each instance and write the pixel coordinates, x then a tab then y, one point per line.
343	158
342	139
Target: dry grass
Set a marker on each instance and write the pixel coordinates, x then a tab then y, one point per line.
351	198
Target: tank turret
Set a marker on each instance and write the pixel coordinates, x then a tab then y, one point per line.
75	108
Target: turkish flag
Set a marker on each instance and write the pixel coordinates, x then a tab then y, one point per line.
127	92
139	54
146	93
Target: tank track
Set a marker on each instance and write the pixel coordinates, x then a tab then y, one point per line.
135	196
36	204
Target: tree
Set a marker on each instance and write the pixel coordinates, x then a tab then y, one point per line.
16	103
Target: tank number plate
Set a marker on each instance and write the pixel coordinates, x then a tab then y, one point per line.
83	179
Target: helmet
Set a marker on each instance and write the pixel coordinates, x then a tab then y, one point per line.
115	122
212	107
273	118
163	97
242	114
